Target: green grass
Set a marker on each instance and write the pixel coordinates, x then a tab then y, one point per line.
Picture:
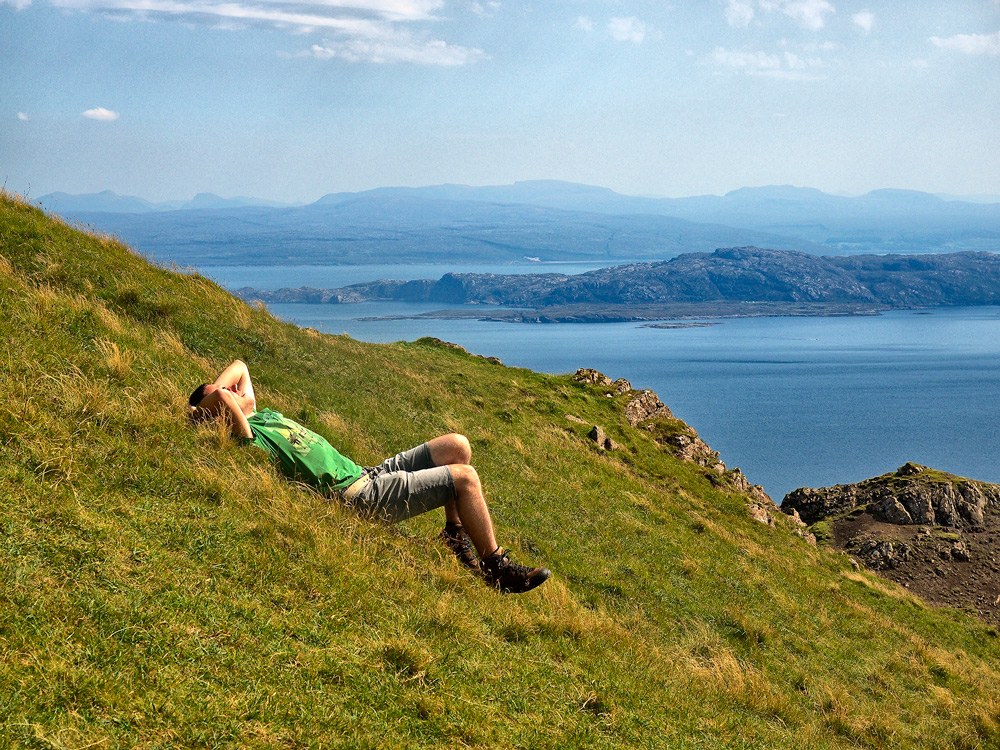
162	586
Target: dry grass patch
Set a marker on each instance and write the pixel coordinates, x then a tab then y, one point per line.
119	361
168	341
886	588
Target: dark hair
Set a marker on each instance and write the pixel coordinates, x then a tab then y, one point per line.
198	395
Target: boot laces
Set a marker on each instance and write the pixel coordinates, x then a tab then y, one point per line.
505	563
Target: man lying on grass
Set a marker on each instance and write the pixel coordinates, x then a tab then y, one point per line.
433	474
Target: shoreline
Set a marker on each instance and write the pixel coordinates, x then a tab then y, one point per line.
690	315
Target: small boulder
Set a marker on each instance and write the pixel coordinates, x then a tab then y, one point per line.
591	377
621	386
909	469
759	513
603	441
960	551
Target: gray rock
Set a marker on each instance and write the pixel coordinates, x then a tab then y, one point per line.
807	535
971	503
646	405
621	386
890	509
910	469
759	513
881	554
906	496
960	551
755	491
591	377
603	441
693	449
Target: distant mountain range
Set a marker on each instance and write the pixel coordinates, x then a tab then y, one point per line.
549	220
65	204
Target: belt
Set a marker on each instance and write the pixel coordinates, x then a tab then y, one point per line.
351	491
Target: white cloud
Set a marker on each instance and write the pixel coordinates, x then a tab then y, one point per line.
919	63
788	66
822	46
739	13
101	114
810	13
359	30
435	52
794	61
745	60
484	10
585	23
23	116
970	44
864	20
629	29
18	4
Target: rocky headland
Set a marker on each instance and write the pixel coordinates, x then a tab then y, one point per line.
932	532
644	410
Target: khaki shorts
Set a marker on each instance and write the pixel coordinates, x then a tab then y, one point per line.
405	485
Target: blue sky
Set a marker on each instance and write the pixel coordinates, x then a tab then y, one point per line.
292	99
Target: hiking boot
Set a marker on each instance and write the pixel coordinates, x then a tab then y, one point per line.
509	577
457	540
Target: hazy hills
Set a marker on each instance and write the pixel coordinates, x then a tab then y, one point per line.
107	201
404	229
546	219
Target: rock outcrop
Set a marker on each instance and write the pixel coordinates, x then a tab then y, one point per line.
591	377
913	494
646	405
644	410
932	532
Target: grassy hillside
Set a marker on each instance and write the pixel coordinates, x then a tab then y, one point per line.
162	586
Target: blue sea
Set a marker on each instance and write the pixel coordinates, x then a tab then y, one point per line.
794	402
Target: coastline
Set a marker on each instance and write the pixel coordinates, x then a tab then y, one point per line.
695	312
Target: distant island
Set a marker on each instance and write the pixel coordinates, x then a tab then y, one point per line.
733	282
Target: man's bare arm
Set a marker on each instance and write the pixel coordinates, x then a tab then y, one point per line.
223	403
236	378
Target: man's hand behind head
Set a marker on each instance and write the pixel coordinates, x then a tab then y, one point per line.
222	401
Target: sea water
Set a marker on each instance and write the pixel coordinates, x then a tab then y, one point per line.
794	402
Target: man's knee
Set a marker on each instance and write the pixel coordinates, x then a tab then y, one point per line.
464	476
460	448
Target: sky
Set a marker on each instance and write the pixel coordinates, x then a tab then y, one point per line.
293	99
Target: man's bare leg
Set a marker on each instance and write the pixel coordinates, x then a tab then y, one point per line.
470	510
469	507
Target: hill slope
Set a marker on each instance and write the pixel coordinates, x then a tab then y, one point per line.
162	586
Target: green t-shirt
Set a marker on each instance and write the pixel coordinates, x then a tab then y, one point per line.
300	453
